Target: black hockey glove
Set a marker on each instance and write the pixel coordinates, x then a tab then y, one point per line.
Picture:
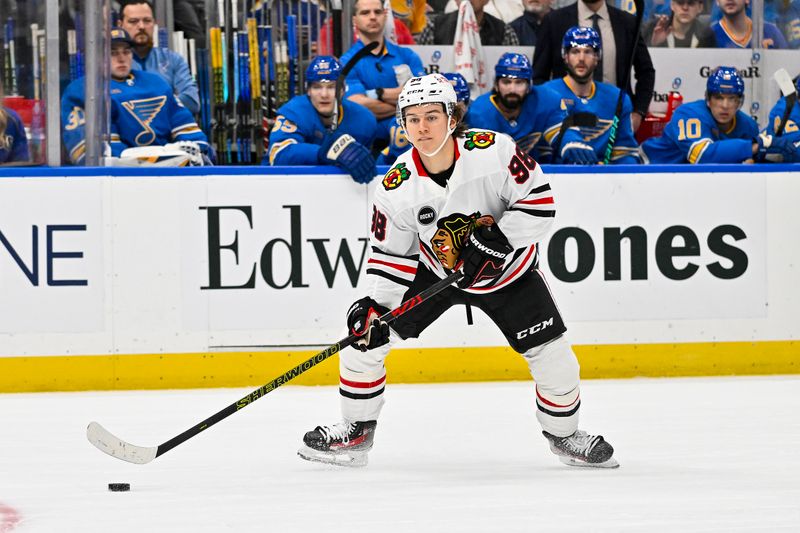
484	255
363	320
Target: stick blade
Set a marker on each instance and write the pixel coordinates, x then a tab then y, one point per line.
106	442
784	82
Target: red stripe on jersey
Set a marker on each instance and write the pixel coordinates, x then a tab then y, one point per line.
418	162
538	201
397	266
510	277
551	404
360	384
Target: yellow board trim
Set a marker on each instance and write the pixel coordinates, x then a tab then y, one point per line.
430	365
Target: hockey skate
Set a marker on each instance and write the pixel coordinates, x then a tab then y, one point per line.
582	449
342	444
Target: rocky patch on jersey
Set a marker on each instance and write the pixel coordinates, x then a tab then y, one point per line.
479	139
396	176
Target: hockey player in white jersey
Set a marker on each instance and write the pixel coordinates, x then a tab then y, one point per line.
459	199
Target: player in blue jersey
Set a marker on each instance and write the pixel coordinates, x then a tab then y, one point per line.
376	80
590	105
303	133
136	17
13	141
791	130
399	142
531	115
735	28
714	130
144	111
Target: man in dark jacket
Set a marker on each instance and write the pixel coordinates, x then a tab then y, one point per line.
528	24
493	31
617	30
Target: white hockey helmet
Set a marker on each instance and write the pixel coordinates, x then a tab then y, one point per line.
428	89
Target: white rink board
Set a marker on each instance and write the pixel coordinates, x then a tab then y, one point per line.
147	253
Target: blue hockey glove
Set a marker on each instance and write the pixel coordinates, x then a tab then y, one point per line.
575	153
773	149
484	255
345	152
363	320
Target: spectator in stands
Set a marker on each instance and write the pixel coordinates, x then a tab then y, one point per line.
590	104
714	130
376	80
304	131
493	31
528	24
789	21
505	10
136	18
13	141
617	30
412	13
735	28
681	29
532	116
144	111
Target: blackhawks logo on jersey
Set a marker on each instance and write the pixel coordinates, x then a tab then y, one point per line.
479	139
396	176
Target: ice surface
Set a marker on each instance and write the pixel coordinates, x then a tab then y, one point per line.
704	454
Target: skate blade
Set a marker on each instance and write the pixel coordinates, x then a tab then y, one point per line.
611	463
346	459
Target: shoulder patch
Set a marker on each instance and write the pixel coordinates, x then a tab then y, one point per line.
479	139
396	176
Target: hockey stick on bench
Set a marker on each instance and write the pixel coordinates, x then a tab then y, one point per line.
788	91
107	443
340	81
612	133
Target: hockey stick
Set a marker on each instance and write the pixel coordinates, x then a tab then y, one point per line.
581	119
107	443
368	48
788	91
612	133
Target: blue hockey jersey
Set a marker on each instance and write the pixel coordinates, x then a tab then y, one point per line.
536	128
602	103
14	145
373	71
144	112
398	144
773	38
298	131
792	128
693	136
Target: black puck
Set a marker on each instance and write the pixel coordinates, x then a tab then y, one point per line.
119	487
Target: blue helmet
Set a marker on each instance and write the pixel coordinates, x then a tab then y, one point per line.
512	65
580	37
725	80
323	68
460	85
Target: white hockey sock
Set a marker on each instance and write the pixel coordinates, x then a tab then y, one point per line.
361	394
555	369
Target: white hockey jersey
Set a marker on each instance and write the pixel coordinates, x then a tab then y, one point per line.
491	177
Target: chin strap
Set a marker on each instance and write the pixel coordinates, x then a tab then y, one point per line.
441	145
